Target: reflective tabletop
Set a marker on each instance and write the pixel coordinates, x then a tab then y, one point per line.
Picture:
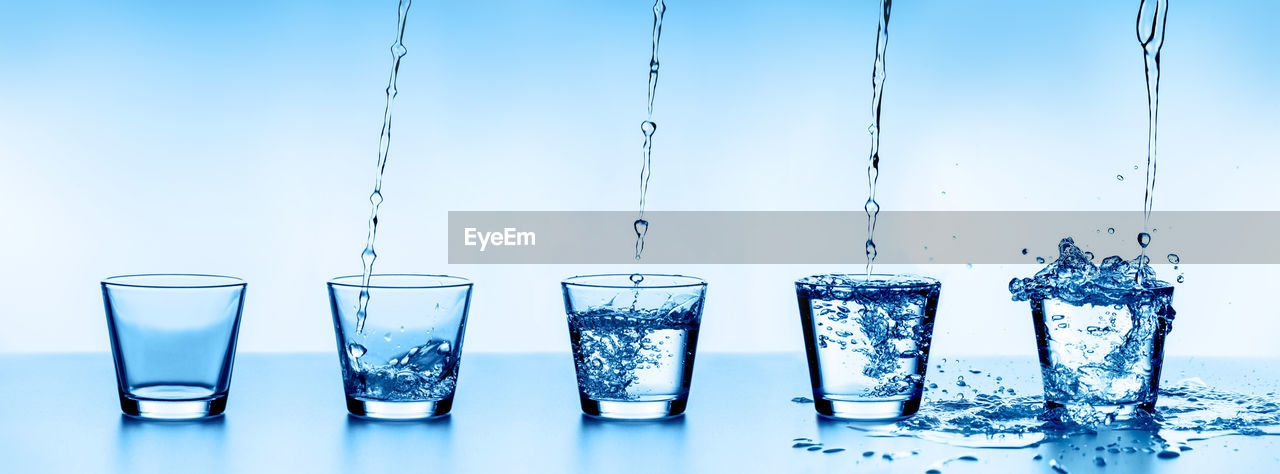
520	413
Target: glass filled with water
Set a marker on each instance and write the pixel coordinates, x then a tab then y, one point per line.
1100	360
400	354
173	337
634	338
867	340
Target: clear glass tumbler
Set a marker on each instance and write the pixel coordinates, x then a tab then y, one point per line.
401	361
1101	362
634	338
174	339
867	340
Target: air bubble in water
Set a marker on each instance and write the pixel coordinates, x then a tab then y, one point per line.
355	350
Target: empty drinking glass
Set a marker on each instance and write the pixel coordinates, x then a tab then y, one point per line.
174	338
400	356
867	340
634	338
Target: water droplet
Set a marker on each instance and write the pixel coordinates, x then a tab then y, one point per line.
648	127
401	328
387	337
1111	230
1098	461
867	454
1058	468
1180	279
355	350
1039	259
1119	177
1024	251
1144	239
1173	258
1168	453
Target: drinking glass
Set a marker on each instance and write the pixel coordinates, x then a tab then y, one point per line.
634	338
1100	361
173	337
867	339
400	356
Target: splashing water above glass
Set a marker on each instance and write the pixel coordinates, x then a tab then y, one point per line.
873	162
641	226
369	255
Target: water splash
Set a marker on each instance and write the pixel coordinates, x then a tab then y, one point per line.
641	226
1075	279
1188	410
873	165
1150	28
369	255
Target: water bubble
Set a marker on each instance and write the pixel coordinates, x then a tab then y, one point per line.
648	127
1024	251
1180	279
387	337
401	328
1098	461
355	350
1111	230
1173	258
1144	239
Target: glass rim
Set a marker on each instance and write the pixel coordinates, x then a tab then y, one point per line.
580	281
122	281
874	280
456	281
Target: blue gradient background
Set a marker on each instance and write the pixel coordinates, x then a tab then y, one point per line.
239	137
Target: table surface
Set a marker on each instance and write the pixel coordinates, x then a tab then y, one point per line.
520	413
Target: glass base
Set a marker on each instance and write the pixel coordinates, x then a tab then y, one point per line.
155	409
383	410
633	410
1100	414
866	410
